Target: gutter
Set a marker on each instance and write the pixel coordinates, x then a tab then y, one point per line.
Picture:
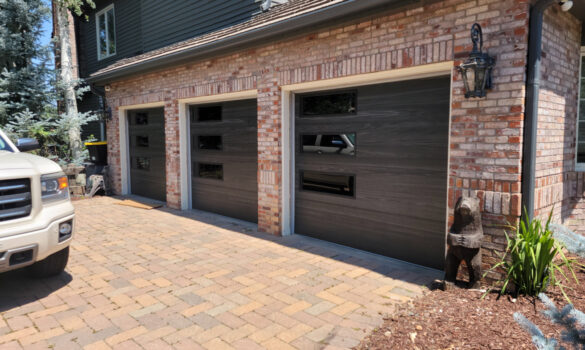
531	107
312	20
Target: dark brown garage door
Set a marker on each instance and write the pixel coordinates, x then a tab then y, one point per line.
371	168
147	153
224	156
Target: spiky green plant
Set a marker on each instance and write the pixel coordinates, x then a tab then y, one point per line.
534	259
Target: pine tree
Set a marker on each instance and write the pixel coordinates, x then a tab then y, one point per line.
23	60
571	319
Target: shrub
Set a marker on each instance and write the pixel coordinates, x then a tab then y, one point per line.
568	317
574	243
534	259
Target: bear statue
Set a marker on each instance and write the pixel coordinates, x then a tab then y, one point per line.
464	242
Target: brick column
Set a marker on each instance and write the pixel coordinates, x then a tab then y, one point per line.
172	149
113	132
269	155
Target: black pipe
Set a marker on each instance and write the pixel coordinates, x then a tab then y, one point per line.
531	108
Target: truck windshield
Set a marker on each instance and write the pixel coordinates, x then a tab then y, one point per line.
4	145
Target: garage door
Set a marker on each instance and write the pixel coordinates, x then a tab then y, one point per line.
147	153
371	168
224	156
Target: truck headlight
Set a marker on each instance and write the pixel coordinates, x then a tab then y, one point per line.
54	187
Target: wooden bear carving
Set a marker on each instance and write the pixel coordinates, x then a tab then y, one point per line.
464	242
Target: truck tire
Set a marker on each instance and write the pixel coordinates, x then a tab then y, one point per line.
52	265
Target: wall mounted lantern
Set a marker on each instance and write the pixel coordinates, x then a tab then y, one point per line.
477	68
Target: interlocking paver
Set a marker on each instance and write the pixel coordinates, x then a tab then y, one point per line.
166	279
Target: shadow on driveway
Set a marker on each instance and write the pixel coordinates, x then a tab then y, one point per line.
18	288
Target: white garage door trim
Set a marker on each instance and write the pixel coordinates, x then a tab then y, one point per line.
288	124
185	136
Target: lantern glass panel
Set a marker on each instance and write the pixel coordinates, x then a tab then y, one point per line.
479	79
469	77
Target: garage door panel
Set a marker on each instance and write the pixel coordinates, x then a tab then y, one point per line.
371	201
398	161
225	200
232	146
373	234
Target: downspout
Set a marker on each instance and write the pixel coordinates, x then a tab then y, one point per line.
531	108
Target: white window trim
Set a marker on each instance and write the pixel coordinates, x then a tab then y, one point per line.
97	31
579	166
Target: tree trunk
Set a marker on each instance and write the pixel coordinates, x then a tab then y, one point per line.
70	98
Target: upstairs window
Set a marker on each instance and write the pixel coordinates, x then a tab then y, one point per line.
581	118
106	32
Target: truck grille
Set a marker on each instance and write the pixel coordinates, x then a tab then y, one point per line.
15	199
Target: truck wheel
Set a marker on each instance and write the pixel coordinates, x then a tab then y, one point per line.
52	265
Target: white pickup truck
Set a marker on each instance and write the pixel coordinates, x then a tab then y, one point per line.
36	214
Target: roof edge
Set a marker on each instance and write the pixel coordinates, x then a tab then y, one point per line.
244	39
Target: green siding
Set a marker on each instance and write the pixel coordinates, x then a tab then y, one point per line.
145	25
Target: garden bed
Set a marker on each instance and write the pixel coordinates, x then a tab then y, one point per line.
461	319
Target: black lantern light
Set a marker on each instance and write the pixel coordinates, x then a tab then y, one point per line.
477	68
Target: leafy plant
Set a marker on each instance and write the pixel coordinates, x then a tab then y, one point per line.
568	317
534	259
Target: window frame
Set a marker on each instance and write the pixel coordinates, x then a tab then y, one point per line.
579	166
104	12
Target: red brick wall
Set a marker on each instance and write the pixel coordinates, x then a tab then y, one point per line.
486	134
574	208
556	180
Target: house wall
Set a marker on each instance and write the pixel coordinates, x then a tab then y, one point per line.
146	25
485	136
558	187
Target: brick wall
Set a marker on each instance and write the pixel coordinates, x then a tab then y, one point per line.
486	134
556	180
574	208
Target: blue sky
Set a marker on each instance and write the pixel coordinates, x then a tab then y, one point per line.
47	26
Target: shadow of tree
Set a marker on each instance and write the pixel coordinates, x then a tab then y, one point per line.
18	288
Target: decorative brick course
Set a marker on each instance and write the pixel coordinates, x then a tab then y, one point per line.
486	134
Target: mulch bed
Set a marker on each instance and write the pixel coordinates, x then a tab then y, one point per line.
461	319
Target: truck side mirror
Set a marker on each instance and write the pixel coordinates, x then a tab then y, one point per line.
27	144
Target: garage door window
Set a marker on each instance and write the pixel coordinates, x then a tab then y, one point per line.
338	143
342	103
141	163
141	119
210	171
210	142
328	183
142	141
206	113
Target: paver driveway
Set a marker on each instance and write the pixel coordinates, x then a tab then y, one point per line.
159	279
